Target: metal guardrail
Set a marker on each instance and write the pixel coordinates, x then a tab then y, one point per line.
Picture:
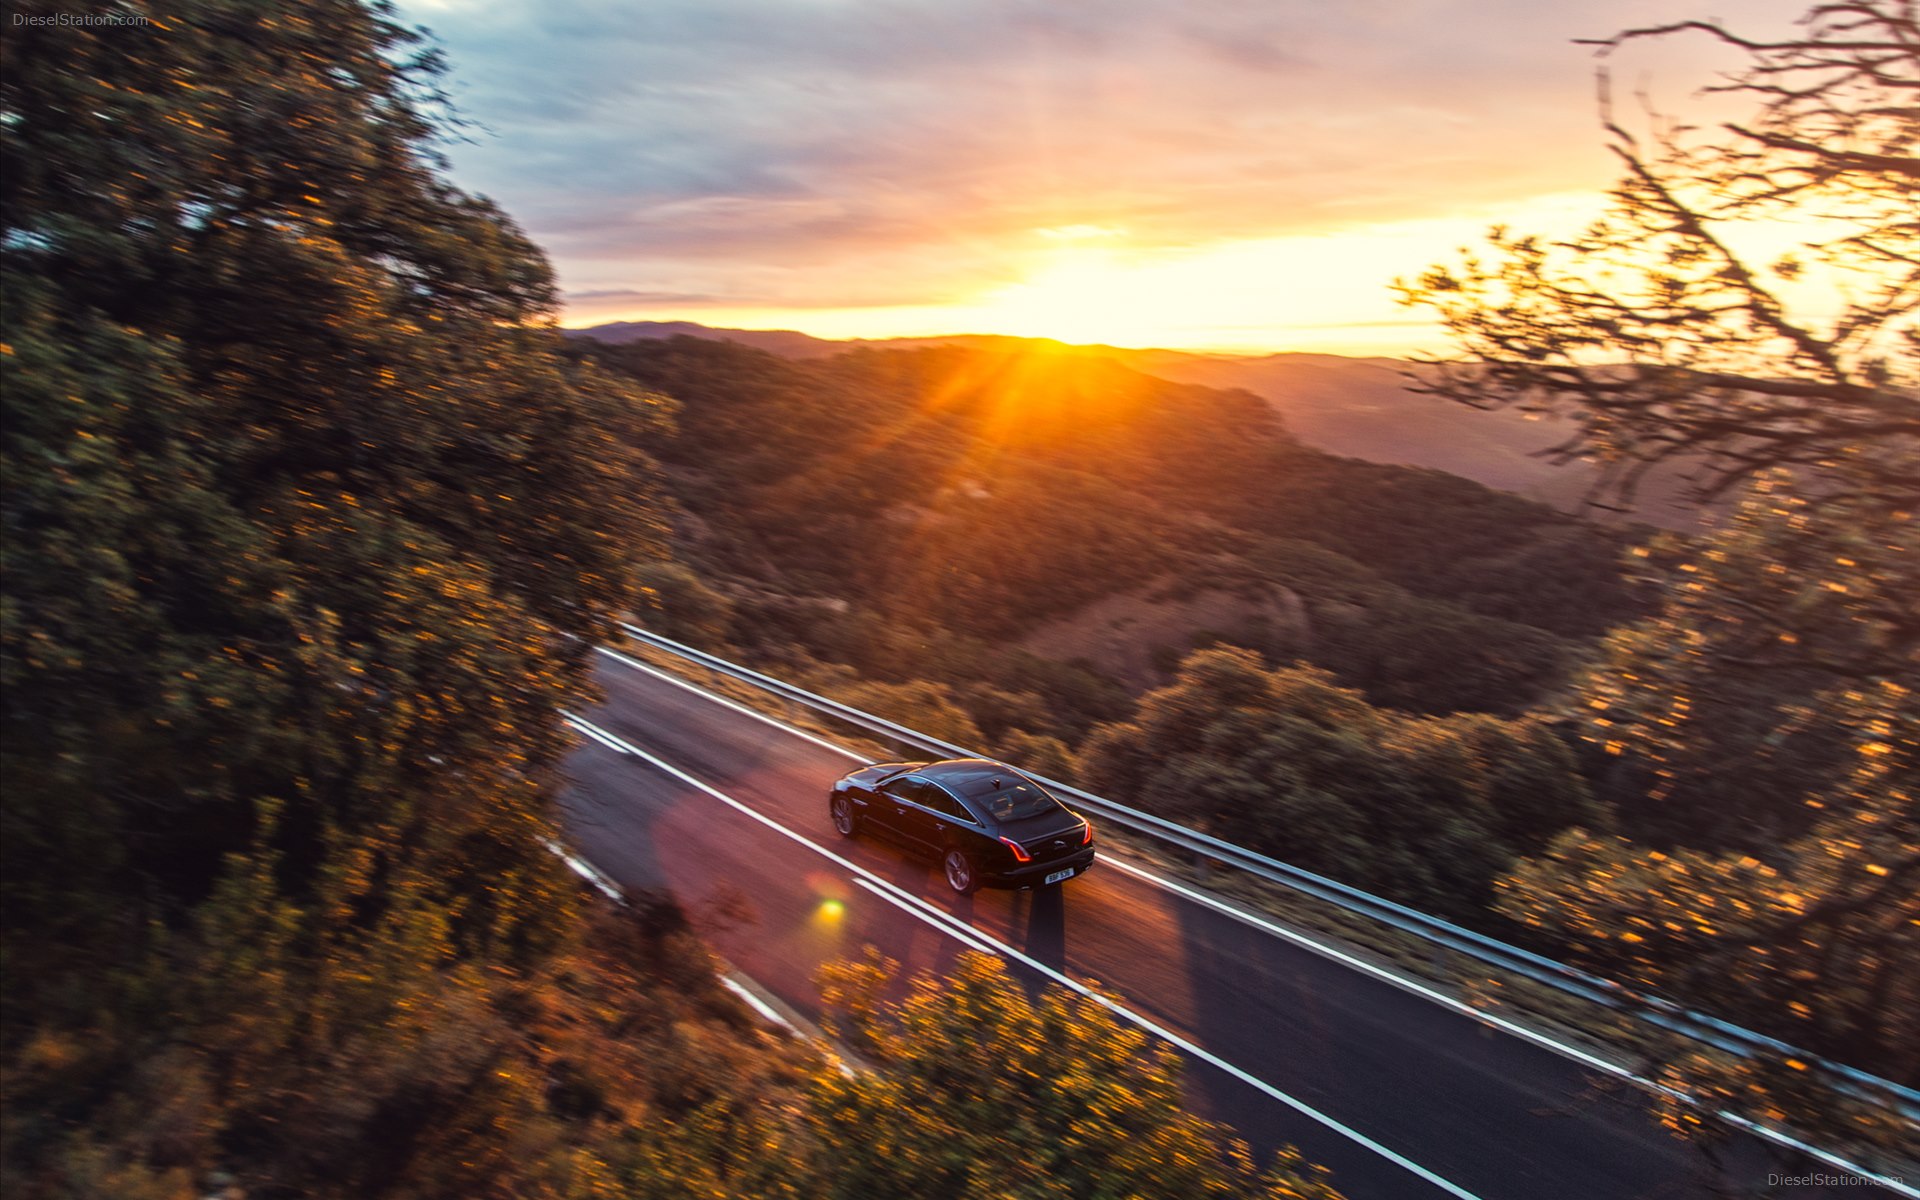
1665	1014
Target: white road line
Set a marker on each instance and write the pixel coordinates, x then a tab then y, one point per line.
588	872
735	705
1574	1053
593	733
767	1011
974	938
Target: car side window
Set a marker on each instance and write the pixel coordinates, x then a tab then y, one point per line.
941	801
906	788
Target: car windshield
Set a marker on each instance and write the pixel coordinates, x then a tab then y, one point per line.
1008	798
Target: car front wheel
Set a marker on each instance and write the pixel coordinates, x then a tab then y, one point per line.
962	877
843	818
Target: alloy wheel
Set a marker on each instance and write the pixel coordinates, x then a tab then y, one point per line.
959	872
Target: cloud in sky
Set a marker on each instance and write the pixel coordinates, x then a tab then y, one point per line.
703	157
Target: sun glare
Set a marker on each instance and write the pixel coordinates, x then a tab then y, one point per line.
1327	292
1084	295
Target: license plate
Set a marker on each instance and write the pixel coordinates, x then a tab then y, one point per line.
1057	876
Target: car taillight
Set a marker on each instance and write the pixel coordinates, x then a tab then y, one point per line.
1086	839
1019	851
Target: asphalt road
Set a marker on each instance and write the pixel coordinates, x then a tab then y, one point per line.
1493	1116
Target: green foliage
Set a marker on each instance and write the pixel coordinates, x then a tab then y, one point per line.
1768	728
1427	810
973	1077
1815	947
927	707
1425	656
309	528
1445	538
1760	731
1732	718
1039	754
997	685
336	499
671	600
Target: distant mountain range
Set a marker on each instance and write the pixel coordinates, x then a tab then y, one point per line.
1356	407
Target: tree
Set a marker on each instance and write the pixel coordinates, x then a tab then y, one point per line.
672	600
1767	715
309	530
1816	947
1666	337
1425	809
929	707
980	1091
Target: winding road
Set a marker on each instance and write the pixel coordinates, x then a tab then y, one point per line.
676	789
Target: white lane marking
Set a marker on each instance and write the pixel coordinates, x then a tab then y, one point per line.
970	936
592	732
587	871
773	1016
767	1011
735	705
1775	1136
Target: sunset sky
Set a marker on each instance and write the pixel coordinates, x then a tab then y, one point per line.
1215	174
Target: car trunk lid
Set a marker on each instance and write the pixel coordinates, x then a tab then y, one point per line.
1047	836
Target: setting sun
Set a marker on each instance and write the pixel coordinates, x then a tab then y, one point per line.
1327	292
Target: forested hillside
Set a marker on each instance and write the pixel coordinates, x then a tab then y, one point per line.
979	494
1364	408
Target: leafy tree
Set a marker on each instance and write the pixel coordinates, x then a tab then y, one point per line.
1038	753
1816	947
1733	718
1428	810
974	1078
672	600
1666	339
928	707
1767	713
308	531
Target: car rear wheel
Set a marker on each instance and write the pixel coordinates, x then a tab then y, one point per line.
962	877
843	818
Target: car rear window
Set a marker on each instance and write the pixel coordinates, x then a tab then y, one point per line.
1008	798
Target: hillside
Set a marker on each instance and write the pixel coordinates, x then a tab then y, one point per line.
1355	407
995	505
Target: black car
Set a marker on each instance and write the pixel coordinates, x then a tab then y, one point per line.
985	822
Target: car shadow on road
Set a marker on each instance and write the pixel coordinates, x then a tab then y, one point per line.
1043	914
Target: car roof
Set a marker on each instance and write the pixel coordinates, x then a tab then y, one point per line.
971	776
